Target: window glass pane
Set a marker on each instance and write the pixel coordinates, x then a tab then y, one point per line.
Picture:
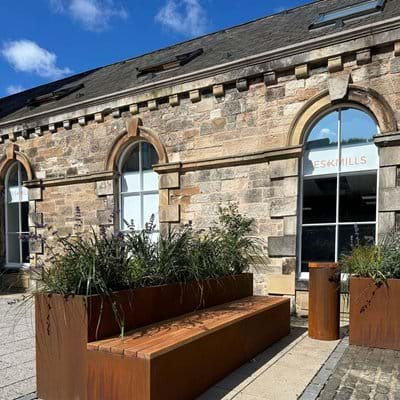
13	176
150	180
13	217
131	211
319	200
318	245
130	181
149	156
358	198
357	127
25	251
150	207
325	132
13	255
321	155
351	235
24	176
25	217
358	151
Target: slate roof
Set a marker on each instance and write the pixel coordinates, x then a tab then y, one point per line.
265	34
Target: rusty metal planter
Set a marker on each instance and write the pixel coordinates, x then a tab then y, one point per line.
374	313
64	325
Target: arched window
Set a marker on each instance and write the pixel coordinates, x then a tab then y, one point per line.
339	186
16	216
138	186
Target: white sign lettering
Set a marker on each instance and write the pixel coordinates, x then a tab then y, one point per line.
325	161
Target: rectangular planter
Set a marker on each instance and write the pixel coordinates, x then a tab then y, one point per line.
64	325
374	313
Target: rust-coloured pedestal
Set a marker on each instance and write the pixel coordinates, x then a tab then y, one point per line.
324	301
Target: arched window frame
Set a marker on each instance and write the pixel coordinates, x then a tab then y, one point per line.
305	275
141	193
21	233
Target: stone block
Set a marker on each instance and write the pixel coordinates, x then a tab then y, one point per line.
82	121
218	90
134	109
104	188
173	100
283	207
289	266
36	219
116	113
52	128
335	64
67	124
338	86
242	85
389	156
195	96
169	213
38	131
302	71
98	117
284	168
35	193
395	65
397	49
386	222
270	78
169	181
152	105
104	217
281	284
387	177
290	226
275	93
363	57
282	246
35	246
389	199
163	195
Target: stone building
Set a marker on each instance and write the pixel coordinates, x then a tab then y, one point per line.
259	114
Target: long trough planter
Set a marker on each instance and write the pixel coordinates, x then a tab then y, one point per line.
64	325
374	313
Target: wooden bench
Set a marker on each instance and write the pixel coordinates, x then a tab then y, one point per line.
180	358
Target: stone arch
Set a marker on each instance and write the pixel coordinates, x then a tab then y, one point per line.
134	132
356	95
13	154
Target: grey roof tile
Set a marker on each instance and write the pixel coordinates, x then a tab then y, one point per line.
265	34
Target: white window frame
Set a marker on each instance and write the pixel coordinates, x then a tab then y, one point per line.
337	224
141	193
9	264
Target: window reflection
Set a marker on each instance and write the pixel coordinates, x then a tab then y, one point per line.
350	166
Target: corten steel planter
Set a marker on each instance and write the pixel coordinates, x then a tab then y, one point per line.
374	313
64	325
324	301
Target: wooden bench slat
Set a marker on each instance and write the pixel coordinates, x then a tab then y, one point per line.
161	337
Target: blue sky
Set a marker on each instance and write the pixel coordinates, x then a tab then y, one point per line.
45	40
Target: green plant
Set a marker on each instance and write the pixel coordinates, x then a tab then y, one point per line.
379	262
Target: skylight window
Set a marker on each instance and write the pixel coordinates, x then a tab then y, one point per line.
341	14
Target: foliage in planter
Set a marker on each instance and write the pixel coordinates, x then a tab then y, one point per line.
379	262
104	262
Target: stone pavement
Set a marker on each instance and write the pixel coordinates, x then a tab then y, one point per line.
17	348
364	374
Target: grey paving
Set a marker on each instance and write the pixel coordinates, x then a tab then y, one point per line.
363	374
17	348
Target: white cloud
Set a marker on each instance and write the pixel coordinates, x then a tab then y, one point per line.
27	56
187	17
93	15
327	133
12	89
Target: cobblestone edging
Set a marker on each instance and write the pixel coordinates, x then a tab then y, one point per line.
313	390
